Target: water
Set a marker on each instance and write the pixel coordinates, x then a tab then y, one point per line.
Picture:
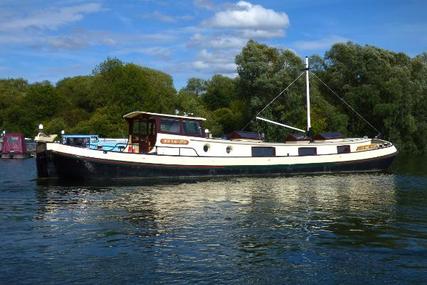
342	229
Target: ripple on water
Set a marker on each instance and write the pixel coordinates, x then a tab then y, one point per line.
306	229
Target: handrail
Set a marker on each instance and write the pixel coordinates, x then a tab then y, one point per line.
117	144
179	149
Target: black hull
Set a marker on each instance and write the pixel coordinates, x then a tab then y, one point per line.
52	164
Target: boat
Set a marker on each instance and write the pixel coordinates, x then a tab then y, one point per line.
14	146
94	142
166	146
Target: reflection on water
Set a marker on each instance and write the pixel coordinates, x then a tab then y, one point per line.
306	229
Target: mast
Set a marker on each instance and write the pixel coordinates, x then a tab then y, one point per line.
307	81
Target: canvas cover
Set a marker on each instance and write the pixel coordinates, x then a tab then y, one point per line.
14	142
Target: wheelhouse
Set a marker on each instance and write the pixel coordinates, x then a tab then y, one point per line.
144	127
14	143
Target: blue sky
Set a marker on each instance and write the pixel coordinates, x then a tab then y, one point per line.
50	40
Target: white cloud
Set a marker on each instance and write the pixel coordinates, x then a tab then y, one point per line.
163	17
245	15
77	40
160	52
227	31
217	41
324	43
49	19
156	15
205	4
263	34
82	38
67	42
219	62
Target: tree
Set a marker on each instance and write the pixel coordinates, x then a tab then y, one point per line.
132	87
196	86
382	85
263	73
220	92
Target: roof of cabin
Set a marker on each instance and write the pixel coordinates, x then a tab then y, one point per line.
245	135
138	113
21	135
328	136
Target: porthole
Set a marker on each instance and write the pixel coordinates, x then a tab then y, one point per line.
228	149
206	147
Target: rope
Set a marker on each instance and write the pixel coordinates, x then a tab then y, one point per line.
348	105
274	99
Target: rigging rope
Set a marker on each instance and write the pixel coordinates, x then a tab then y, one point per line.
274	99
330	89
348	105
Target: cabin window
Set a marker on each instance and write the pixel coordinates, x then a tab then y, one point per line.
170	126
81	142
343	149
192	128
12	140
206	147
303	151
141	129
263	151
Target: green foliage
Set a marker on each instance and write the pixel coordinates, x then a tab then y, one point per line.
220	92
389	89
12	92
196	86
105	122
263	73
77	92
130	87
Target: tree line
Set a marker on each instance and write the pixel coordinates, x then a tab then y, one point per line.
389	89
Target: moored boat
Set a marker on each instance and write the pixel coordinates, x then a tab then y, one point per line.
172	146
94	142
14	146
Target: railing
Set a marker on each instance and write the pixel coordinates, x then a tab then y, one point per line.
179	150
121	147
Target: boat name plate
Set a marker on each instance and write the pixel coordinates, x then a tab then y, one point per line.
173	141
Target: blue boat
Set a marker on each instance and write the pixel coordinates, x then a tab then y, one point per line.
94	142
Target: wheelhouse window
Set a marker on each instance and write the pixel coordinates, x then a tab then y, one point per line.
141	129
343	149
304	151
12	140
192	128
170	126
263	151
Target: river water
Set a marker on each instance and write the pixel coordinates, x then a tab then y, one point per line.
339	229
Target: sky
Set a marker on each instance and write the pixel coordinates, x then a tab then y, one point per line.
50	40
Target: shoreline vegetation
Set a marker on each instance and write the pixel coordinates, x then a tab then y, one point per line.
389	89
